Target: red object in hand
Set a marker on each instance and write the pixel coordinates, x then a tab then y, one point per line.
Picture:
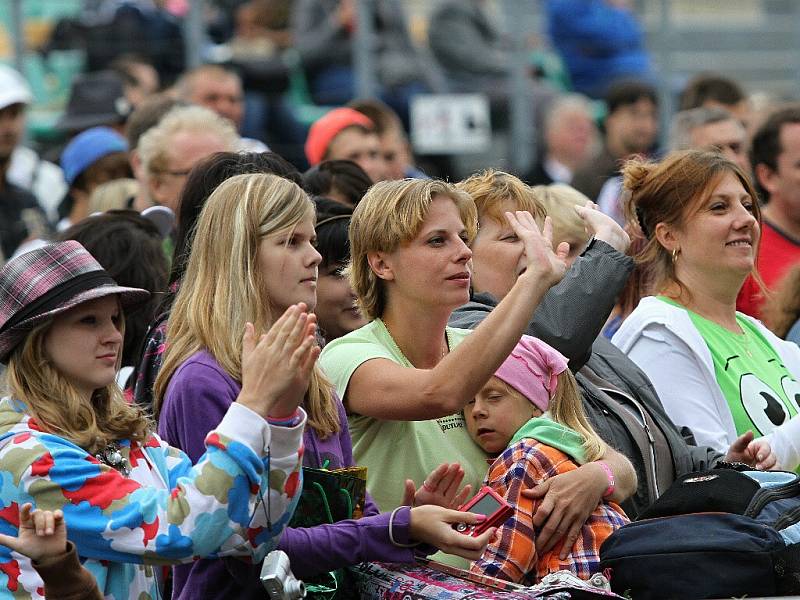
491	505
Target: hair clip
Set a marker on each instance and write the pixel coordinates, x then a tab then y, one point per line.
640	218
333	218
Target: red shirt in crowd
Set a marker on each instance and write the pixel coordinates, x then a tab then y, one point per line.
776	255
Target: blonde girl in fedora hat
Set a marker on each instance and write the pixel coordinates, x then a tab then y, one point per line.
69	442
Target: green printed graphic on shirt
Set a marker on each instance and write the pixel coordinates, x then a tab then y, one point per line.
760	391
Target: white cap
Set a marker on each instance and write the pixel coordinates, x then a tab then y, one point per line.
13	88
162	217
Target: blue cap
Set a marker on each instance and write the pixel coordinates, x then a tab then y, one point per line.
87	148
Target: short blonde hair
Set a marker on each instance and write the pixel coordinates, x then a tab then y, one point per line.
490	189
392	213
558	201
154	143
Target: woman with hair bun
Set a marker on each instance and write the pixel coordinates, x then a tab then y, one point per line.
718	372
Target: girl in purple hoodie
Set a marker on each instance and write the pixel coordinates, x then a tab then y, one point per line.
254	253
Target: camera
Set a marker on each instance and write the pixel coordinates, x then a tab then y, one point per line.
489	504
278	579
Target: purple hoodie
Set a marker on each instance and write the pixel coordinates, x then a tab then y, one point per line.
197	397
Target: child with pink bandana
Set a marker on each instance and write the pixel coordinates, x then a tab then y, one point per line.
530	415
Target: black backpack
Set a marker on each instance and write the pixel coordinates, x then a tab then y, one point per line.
713	534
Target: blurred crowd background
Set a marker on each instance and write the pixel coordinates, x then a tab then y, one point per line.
297	58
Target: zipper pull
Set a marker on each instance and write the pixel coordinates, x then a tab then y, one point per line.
647	430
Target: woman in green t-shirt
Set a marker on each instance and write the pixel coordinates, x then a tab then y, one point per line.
406	376
717	371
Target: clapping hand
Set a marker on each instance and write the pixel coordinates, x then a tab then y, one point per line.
277	365
439	488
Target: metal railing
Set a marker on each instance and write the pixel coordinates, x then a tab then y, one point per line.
754	41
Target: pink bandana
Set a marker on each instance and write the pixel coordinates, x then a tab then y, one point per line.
532	369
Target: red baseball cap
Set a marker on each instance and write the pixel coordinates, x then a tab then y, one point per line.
328	127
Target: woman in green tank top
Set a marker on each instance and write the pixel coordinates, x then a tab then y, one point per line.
717	371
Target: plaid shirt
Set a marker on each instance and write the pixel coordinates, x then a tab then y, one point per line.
144	379
513	556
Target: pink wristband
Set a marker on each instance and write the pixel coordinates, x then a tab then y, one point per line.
288	421
612	483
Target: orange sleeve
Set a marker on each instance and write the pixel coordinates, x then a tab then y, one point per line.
512	555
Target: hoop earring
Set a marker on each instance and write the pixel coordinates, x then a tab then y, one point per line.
675	252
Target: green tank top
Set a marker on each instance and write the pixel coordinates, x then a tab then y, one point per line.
759	390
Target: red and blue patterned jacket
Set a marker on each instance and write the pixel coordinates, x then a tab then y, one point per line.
235	501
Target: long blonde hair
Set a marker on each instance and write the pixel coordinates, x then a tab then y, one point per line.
223	288
566	407
57	406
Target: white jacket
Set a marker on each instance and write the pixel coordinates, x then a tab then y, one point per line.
662	340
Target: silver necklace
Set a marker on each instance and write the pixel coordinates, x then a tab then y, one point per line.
111	455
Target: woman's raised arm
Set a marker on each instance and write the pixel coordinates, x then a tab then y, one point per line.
384	390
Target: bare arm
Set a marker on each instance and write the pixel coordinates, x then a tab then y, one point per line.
569	498
382	389
624	475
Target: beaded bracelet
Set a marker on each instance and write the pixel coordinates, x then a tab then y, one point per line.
289	421
612	482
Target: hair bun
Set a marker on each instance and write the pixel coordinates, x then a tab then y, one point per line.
634	174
